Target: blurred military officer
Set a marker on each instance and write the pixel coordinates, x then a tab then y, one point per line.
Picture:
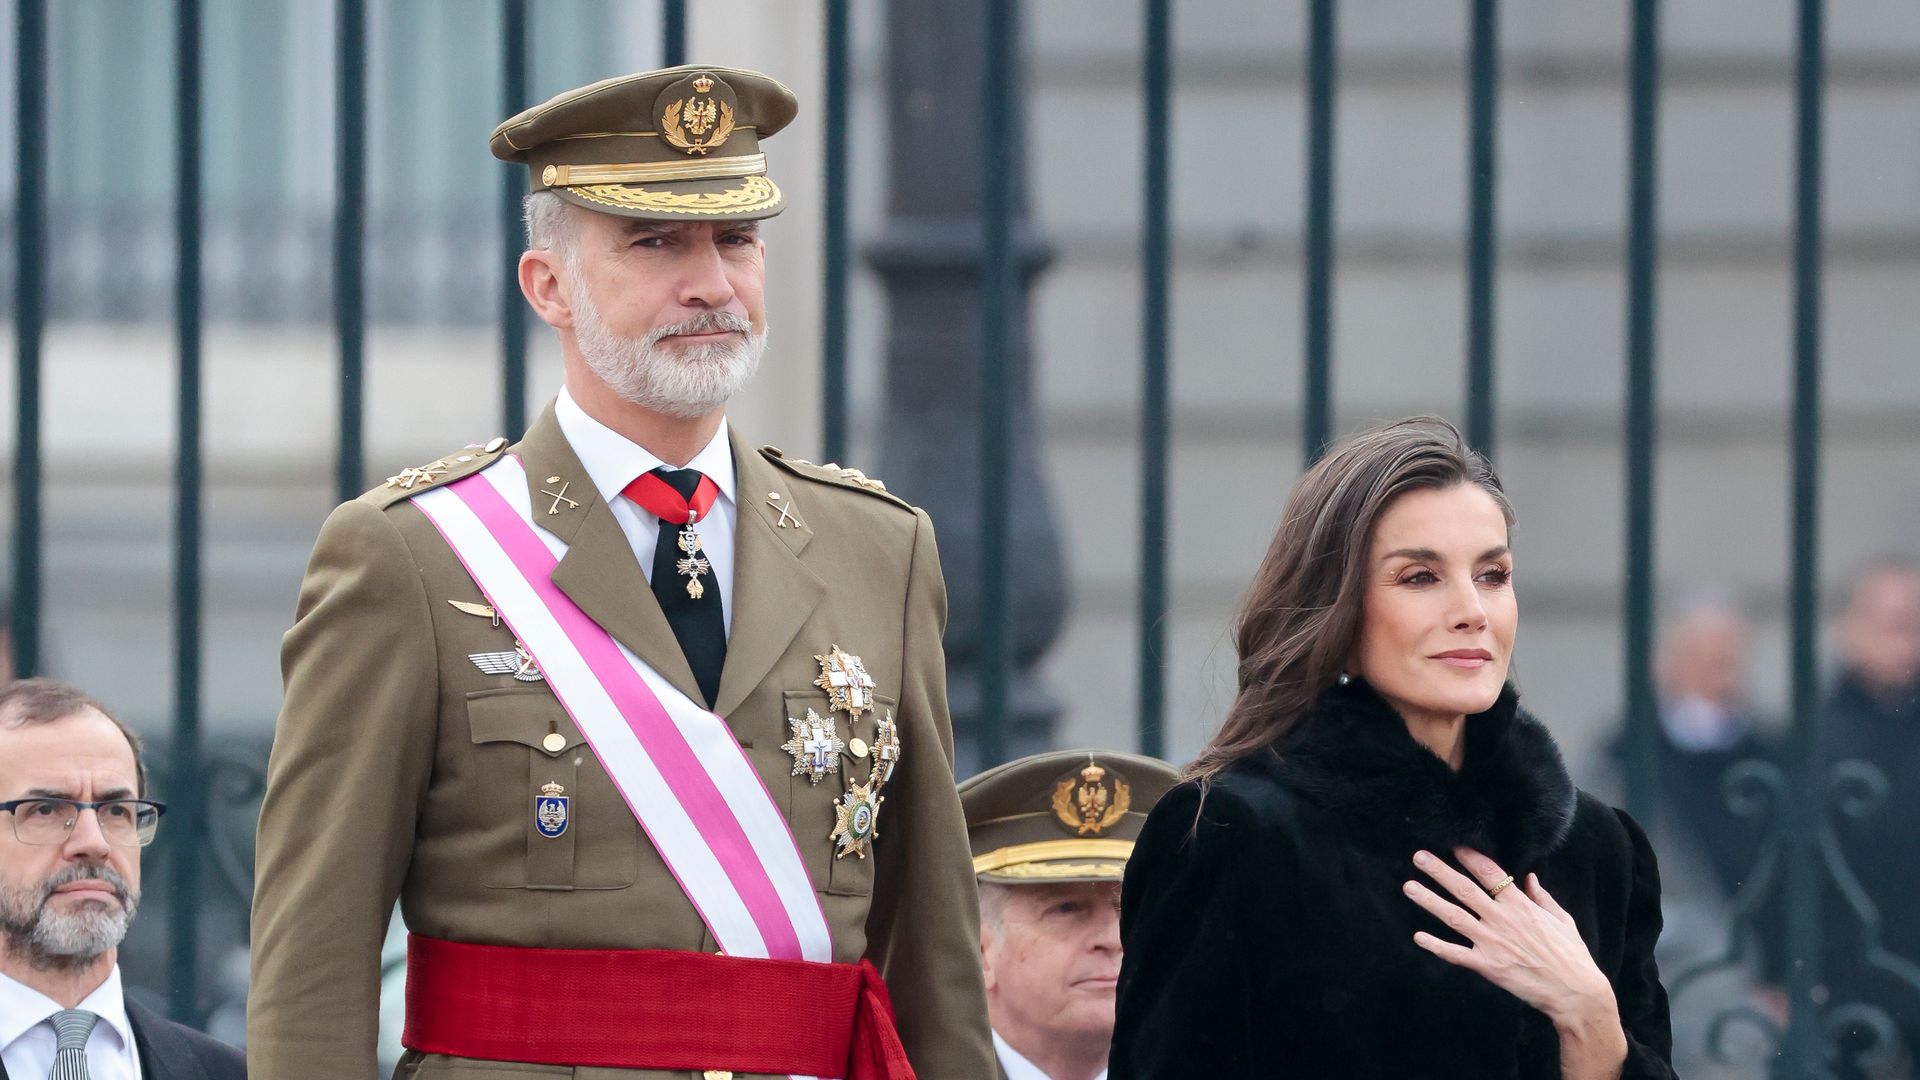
625	711
1051	834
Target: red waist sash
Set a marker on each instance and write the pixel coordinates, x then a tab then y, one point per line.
650	1009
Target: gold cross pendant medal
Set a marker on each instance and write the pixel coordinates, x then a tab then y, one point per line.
693	565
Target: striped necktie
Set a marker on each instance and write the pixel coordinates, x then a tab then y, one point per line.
70	1060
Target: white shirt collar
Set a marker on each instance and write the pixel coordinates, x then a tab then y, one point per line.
22	1007
613	461
1017	1065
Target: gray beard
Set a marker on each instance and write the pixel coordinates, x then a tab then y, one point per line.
50	940
683	384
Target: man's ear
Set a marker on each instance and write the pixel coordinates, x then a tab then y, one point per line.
986	953
543	282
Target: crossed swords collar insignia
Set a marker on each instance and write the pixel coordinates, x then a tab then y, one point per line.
816	747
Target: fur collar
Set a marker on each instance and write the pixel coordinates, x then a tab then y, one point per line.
1512	798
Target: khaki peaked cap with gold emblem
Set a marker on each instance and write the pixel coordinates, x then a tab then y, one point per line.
680	144
1069	815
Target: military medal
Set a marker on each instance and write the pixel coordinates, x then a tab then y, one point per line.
815	746
853	821
661	499
550	810
693	565
886	751
845	679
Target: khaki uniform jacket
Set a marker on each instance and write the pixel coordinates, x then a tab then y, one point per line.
401	771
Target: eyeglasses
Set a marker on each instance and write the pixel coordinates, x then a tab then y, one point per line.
46	822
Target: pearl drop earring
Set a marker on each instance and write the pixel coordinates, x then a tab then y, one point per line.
1345	678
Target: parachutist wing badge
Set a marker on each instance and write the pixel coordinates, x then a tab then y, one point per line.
516	662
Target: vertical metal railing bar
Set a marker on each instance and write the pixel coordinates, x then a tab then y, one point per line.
186	788
833	239
29	322
1805	1039
673	31
996	392
349	240
1155	408
1643	265
1482	225
1316	403
513	312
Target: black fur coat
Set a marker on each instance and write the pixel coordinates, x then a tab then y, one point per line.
1266	933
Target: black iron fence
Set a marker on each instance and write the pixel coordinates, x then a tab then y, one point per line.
1800	861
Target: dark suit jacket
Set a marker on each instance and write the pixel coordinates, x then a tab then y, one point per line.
170	1051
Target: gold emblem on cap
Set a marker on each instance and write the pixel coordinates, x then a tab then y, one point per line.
548	175
1092	800
708	119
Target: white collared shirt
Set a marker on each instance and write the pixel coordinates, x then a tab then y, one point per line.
613	461
28	1042
1018	1067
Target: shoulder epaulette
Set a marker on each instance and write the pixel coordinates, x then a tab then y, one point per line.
415	479
833	473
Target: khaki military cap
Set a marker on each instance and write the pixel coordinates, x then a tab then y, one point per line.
682	144
1071	815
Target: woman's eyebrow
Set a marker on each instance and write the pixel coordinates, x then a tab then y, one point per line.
1430	555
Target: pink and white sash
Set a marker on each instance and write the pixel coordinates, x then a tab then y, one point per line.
679	766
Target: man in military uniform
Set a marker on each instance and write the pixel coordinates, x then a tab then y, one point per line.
1051	835
645	729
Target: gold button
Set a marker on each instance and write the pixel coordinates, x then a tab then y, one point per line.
858	746
554	742
548	175
494	444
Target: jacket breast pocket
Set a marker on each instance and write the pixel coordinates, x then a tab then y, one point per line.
812	807
542	777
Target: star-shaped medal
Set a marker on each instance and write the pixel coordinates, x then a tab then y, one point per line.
853	821
845	679
886	751
815	746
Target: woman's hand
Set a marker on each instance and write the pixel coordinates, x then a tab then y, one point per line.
1524	942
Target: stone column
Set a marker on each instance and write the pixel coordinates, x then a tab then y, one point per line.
928	256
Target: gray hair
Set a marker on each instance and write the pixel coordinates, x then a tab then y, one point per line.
551	223
993	903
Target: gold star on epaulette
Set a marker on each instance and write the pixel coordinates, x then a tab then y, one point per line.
413	476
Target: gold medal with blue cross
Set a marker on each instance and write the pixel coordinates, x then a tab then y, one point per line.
551	810
854	817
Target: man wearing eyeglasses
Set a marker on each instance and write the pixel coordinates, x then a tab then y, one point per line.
73	791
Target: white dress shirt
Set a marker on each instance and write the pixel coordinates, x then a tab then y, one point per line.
613	461
28	1043
1018	1067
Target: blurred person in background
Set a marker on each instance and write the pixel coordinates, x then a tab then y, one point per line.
1872	718
1707	726
74	792
1051	834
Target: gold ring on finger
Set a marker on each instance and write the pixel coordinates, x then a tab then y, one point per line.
1501	884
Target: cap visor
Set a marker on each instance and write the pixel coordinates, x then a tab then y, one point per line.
745	198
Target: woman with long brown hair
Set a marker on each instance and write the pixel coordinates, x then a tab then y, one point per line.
1379	866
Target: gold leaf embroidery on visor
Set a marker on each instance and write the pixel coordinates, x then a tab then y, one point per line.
755	192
